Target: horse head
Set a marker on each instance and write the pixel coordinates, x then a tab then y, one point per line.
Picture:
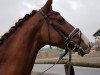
55	29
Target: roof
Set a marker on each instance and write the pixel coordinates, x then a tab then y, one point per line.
97	33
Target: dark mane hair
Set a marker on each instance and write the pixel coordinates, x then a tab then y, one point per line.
17	24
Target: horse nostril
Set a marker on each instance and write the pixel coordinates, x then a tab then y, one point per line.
90	45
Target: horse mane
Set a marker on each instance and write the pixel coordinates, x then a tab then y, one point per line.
17	25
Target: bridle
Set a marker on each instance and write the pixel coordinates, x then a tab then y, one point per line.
49	23
67	38
63	35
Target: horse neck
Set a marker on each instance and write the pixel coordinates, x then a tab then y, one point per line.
18	53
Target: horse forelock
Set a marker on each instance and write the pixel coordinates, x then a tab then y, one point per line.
17	25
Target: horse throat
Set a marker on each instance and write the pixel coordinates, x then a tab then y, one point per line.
19	51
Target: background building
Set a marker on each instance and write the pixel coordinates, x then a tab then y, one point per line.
97	40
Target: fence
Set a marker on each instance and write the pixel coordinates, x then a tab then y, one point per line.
86	61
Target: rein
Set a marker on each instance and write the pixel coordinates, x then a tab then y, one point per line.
68	40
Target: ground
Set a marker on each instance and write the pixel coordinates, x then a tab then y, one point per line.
37	73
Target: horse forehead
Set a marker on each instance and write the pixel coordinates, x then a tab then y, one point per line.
85	39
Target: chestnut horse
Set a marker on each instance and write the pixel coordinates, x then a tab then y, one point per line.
19	47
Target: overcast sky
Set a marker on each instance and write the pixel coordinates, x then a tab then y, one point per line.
83	14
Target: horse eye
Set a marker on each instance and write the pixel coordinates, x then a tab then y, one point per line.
62	20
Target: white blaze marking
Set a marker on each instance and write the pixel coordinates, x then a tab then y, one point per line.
85	39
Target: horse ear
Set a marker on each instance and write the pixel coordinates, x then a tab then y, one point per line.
48	6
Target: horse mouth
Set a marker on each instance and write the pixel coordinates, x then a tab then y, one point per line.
82	52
